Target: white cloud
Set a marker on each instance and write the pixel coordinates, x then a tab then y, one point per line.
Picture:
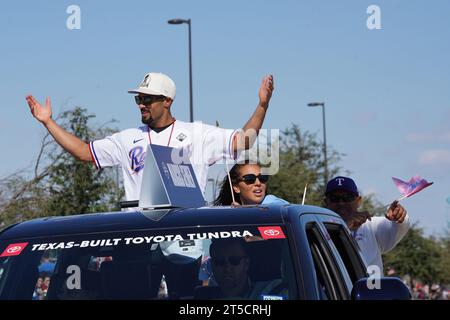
435	157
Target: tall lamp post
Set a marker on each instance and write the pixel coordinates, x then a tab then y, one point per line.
322	104
191	106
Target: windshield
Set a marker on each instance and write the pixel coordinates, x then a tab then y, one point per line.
247	262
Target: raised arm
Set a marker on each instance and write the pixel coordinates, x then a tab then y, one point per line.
72	144
246	138
391	229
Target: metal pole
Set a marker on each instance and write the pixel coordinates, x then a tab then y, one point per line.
191	105
325	144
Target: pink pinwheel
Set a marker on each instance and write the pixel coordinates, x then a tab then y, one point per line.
414	185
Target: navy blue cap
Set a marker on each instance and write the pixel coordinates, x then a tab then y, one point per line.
342	183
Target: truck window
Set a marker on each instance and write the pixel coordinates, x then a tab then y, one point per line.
346	248
329	278
238	262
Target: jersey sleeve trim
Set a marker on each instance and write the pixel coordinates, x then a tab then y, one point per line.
94	155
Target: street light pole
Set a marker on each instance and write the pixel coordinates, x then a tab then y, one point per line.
191	103
322	104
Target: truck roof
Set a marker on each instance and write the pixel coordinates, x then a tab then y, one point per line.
158	218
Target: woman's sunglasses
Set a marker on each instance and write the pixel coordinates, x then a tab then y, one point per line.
232	260
251	178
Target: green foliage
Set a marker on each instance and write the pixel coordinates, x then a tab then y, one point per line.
20	199
76	186
61	184
423	259
301	162
372	205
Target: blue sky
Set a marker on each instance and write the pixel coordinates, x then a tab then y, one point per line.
386	91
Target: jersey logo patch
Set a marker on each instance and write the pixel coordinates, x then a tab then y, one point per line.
181	137
137	157
137	140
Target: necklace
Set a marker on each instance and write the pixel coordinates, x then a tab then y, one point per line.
170	137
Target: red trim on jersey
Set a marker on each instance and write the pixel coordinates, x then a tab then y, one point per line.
171	131
149	138
92	155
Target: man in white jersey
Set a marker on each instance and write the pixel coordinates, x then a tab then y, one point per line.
206	144
374	235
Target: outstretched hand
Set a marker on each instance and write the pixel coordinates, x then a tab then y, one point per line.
396	212
41	113
265	91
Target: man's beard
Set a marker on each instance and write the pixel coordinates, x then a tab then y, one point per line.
147	120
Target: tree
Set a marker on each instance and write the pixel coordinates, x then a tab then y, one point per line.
61	185
372	205
420	258
445	258
301	162
76	186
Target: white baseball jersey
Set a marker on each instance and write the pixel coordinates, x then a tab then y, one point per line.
378	236
206	145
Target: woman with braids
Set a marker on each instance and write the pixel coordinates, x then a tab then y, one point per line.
249	187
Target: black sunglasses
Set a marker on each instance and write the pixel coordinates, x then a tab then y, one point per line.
343	197
148	99
251	178
232	260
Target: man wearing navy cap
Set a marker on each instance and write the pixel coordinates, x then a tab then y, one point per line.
375	235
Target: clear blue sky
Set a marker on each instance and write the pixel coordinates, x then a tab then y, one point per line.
386	91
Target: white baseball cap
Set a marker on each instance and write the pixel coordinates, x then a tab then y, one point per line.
156	84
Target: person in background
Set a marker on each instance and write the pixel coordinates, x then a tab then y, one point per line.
230	262
37	294
374	235
46	265
44	287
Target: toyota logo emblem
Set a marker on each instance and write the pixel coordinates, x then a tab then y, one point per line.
271	232
14	249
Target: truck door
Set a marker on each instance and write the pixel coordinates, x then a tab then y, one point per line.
330	280
346	250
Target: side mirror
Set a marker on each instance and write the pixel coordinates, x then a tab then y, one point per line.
388	289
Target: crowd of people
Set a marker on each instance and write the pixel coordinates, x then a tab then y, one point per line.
421	290
427	292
